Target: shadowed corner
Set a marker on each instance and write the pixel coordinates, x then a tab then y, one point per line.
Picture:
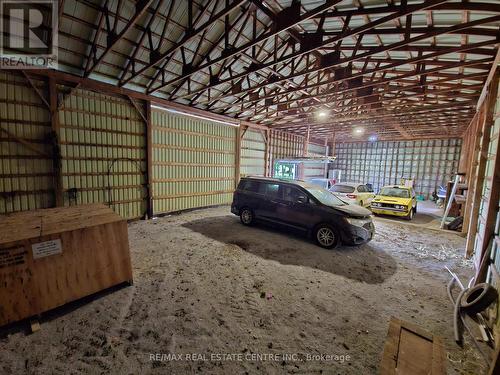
58	312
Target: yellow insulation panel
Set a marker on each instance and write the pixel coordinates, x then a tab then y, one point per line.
193	162
104	152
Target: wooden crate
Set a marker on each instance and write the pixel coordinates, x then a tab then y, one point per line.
410	350
54	256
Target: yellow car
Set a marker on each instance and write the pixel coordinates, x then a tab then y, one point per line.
395	200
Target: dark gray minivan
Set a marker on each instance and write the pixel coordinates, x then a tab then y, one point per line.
303	206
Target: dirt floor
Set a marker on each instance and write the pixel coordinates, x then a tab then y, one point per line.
211	296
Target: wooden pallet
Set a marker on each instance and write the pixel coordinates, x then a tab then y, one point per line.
54	256
410	350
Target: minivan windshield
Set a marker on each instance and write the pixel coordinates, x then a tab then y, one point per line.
324	196
395	192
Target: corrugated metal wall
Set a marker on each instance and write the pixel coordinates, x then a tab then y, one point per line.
430	163
315	169
284	145
26	177
103	148
193	162
253	152
103	152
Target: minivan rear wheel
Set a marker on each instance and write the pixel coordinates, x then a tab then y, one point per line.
326	236
246	216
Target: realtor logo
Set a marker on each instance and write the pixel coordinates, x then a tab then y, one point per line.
29	34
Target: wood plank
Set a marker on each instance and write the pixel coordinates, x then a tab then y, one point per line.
410	350
389	359
54	119
237	154
414	355
149	161
29	224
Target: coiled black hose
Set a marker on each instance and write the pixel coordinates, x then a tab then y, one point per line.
459	316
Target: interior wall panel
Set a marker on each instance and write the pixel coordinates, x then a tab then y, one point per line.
315	170
193	162
431	163
26	177
284	145
103	152
253	153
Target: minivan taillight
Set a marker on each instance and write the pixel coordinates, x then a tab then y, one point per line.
352	196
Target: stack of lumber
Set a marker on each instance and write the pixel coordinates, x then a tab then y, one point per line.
54	256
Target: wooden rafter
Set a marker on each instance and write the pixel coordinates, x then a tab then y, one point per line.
276	64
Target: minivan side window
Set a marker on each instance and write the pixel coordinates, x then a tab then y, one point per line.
361	189
269	189
291	194
249	185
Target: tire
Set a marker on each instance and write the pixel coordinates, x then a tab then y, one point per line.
246	216
326	236
478	298
415	209
409	217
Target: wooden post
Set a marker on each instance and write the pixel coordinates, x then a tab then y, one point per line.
149	161
483	157
306	141
325	173
491	204
237	156
56	149
332	151
266	153
471	165
305	151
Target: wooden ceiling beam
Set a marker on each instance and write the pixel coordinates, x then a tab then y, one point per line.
355	113
463	106
478	7
236	51
453	92
396	79
189	35
450	118
137	47
403	11
385	68
113	37
407	124
362	56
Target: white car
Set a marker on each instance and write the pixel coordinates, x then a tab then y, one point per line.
325	183
353	193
